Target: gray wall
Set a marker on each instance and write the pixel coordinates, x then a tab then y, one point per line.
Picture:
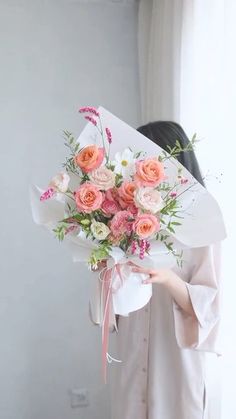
54	57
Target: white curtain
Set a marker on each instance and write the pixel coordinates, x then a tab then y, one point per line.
162	27
187	52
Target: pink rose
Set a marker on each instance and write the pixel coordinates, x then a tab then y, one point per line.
110	207
88	198
121	223
146	225
103	178
149	172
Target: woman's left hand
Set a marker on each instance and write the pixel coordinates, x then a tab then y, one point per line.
175	285
156	276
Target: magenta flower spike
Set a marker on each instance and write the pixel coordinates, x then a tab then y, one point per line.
109	135
91	119
89	109
47	194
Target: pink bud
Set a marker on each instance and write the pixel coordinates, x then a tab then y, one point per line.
89	109
183	180
173	194
91	119
143	247
109	135
133	247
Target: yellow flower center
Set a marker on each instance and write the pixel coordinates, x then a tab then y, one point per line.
124	163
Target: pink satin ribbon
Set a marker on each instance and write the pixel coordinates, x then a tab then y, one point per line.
107	276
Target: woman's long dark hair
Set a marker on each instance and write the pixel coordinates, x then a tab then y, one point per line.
165	133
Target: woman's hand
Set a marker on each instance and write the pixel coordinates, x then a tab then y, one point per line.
158	276
175	285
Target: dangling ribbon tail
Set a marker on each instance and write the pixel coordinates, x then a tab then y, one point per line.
106	303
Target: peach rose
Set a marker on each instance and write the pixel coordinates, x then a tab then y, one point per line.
88	198
89	158
126	193
149	172
146	225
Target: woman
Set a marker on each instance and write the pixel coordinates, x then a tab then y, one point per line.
163	345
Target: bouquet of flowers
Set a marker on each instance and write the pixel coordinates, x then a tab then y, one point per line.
123	202
115	202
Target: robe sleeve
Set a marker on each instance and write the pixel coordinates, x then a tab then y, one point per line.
201	333
95	303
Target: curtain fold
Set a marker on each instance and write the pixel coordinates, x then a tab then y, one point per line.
187	73
162	26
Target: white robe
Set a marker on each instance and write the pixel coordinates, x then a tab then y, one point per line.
162	348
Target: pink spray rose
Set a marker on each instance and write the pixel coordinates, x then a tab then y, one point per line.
121	223
110	207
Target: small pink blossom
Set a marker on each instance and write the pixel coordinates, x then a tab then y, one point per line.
183	180
109	135
47	194
91	119
89	109
173	194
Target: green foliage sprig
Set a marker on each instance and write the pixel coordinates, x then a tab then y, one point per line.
174	152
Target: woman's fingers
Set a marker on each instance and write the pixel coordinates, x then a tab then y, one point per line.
136	268
141	270
147	281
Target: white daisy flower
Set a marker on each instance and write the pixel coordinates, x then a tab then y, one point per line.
124	163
